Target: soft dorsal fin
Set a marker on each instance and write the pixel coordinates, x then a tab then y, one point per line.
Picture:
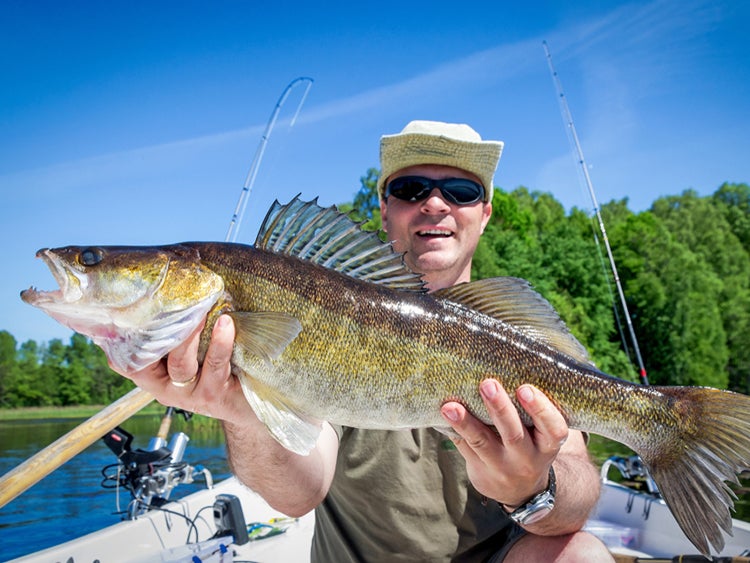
512	300
327	237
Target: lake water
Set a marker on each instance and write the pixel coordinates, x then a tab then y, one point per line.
71	502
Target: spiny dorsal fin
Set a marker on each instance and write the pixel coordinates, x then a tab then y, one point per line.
327	237
512	300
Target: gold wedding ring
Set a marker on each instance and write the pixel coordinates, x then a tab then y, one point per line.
183	383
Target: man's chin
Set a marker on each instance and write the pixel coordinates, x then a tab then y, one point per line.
430	262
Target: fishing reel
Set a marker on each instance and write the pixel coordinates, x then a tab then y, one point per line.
633	471
151	474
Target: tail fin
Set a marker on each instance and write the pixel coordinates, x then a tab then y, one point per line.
711	446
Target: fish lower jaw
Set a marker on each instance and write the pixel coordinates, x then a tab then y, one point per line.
48	299
32	296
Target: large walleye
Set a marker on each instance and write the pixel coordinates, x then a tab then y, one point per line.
331	326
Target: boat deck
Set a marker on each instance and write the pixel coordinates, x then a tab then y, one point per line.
632	524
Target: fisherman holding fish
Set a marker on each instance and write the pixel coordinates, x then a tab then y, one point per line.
340	374
506	492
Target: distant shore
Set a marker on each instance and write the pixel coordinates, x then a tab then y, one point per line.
80	411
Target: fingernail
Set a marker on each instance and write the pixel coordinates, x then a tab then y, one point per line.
489	389
222	321
526	394
450	414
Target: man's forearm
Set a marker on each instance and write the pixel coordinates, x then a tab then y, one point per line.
578	487
289	482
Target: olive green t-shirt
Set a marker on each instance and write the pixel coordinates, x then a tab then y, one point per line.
405	496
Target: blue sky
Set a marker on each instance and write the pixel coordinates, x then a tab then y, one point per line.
136	122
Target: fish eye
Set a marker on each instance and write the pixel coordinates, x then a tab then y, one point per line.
90	256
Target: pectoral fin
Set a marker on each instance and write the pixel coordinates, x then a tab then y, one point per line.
265	334
292	429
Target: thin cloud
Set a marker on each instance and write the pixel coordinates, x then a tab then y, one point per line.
628	30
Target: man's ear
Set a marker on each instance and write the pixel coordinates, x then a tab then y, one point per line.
383	216
486	214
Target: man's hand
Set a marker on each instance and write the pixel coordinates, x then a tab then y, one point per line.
290	483
210	389
510	464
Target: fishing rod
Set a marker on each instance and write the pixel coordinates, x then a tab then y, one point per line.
239	211
573	136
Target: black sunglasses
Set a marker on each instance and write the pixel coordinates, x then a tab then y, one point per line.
460	191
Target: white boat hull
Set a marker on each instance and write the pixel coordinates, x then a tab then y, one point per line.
631	523
636	523
162	536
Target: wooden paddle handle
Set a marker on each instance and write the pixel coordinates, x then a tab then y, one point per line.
44	462
166	423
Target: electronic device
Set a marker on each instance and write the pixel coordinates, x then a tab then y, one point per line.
229	518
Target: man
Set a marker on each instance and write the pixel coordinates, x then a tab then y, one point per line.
414	495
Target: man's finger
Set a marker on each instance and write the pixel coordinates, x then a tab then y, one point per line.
461	422
216	365
550	428
503	413
182	362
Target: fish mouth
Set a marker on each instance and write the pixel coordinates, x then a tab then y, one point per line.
71	282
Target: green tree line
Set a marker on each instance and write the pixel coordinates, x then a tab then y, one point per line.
56	373
684	265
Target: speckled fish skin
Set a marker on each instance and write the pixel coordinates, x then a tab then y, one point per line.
325	332
372	357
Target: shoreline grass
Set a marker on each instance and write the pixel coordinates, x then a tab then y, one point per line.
76	411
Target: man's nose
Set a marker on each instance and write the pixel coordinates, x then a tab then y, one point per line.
435	203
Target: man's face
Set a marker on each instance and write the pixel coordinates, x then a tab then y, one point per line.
438	237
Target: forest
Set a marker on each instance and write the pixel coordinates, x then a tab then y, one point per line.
684	266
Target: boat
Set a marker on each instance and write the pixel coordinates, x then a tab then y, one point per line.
634	525
185	530
230	522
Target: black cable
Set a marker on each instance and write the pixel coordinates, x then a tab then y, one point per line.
109	481
190	521
197	514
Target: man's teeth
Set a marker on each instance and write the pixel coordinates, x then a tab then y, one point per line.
434	232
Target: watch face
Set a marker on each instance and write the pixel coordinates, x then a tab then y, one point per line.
537	515
539	506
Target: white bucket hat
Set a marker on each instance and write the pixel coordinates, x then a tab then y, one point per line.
435	142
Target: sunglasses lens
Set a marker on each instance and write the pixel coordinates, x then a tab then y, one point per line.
460	191
409	188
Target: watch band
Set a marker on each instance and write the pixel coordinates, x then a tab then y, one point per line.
539	506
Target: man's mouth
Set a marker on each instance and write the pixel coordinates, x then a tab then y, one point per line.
434	233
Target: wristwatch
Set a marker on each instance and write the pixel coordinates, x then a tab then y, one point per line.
539	506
